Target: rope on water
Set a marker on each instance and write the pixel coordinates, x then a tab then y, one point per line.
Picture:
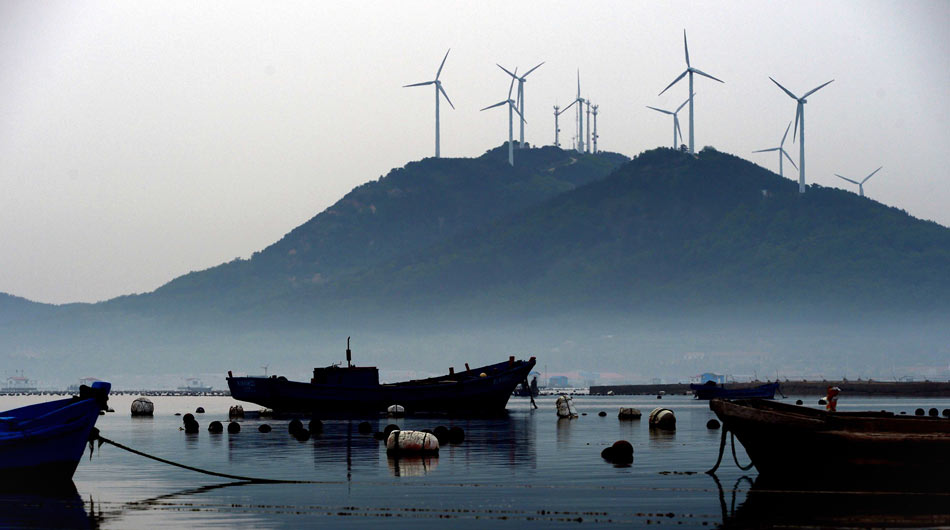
94	436
722	448
732	440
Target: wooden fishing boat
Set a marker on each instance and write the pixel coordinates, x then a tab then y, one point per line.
711	390
793	441
44	442
351	389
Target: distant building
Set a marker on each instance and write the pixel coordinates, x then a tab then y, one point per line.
558	381
707	377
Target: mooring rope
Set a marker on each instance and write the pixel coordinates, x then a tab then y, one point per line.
722	449
95	436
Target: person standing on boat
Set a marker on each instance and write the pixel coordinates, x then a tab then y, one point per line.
831	400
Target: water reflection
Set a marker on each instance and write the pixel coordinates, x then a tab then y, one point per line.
836	502
412	466
48	506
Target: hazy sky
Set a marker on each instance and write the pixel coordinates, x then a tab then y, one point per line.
140	141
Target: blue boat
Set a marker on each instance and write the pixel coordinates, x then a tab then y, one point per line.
44	442
711	390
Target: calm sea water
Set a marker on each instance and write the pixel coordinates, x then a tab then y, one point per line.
526	468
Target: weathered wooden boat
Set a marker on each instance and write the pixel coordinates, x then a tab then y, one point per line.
793	441
711	390
351	389
44	442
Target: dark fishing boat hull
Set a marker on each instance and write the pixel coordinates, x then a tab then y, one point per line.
463	393
44	442
792	441
766	391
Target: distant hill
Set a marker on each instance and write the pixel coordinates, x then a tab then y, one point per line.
679	233
580	258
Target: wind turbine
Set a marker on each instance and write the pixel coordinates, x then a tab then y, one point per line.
781	152
521	81
689	70
580	115
438	88
800	115
512	106
676	120
557	129
860	184
595	128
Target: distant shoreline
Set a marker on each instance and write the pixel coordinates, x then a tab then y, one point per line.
800	388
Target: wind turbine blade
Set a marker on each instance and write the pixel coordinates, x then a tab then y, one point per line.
789	159
419	84
684	103
786	134
443	64
505	69
700	72
674	82
660	110
686	48
872	174
676	123
798	111
518	112
846	178
567	107
446	95
767	150
512	85
793	96
524	75
812	91
500	103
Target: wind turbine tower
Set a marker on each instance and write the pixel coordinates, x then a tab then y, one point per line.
781	152
580	115
512	106
587	102
521	81
676	121
557	130
860	184
690	70
800	118
438	88
595	129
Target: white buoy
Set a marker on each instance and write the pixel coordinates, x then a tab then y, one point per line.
565	407
629	413
143	407
417	442
236	411
396	411
663	419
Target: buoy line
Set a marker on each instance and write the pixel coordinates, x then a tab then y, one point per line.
95	436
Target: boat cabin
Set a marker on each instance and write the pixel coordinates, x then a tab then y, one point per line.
346	376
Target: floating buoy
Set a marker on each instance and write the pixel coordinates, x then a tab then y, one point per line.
663	419
946	413
601	414
200	410
178	414
264	428
234	427
628	413
822	401
396	411
659	396
565	407
364	428
295	426
302	435
456	435
621	452
919	412
712	424
236	411
215	427
441	433
933	412
379	435
142	407
799	402
189	417
417	442
315	426
191	427
390	428
903	412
